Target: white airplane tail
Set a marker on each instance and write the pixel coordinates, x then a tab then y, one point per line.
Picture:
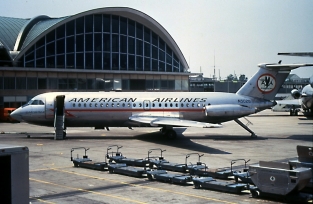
268	80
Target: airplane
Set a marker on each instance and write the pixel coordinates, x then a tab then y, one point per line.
156	109
303	98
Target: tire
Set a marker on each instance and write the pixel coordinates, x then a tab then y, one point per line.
171	134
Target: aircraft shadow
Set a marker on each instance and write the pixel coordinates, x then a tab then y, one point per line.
306	138
180	142
155	137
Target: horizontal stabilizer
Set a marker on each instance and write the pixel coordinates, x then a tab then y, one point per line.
283	67
298	54
160	121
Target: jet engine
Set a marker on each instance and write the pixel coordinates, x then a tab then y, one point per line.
295	94
228	110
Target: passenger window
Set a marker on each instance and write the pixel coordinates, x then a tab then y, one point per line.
128	104
171	105
118	105
134	104
107	105
153	105
187	105
160	105
90	105
112	104
165	105
140	104
73	104
101	104
123	104
96	105
79	105
176	105
193	105
198	105
85	105
182	105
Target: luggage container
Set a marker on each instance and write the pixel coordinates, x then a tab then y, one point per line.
277	178
305	159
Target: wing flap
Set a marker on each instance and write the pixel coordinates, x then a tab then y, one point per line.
159	121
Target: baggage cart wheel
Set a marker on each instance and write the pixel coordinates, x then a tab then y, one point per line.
111	171
255	193
150	177
197	185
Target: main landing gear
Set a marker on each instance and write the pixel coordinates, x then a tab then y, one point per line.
246	127
168	132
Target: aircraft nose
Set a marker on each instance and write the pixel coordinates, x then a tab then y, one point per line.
17	114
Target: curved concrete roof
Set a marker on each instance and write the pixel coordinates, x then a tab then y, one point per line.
32	30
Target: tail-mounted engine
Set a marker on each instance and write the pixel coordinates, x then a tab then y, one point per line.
295	94
228	110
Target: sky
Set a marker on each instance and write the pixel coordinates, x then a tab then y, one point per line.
233	35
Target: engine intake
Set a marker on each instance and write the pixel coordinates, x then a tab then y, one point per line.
228	110
295	94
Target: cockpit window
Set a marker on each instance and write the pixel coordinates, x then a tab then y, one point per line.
37	102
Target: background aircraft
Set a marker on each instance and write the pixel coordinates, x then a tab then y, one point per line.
156	109
304	98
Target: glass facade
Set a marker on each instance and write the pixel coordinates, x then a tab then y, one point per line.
102	42
91	84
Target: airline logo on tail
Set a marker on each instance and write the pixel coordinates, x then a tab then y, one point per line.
266	83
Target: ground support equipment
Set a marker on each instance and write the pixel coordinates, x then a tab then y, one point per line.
164	176
241	175
85	162
155	161
224	186
114	155
294	197
277	178
120	168
305	159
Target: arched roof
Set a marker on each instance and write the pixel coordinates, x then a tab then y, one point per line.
30	31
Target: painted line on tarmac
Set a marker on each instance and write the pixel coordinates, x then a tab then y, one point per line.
47	169
148	187
87	191
34	198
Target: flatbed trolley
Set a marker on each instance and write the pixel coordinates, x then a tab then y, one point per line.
85	162
164	176
121	168
218	185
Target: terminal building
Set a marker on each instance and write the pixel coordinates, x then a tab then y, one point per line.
106	49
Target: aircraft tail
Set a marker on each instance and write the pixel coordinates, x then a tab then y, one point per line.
268	80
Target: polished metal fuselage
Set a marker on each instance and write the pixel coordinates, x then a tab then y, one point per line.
113	109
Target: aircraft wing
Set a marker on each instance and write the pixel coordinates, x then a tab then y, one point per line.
295	102
159	121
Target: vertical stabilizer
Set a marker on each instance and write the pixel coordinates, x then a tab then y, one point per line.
268	80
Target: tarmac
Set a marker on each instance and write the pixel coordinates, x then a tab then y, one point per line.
54	179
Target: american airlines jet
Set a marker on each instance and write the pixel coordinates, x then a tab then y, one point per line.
156	109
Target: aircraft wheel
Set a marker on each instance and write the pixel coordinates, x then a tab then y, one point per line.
171	134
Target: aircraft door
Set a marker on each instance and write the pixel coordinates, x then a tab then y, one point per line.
146	105
59	105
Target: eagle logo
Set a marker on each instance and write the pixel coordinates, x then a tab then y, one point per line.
266	83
